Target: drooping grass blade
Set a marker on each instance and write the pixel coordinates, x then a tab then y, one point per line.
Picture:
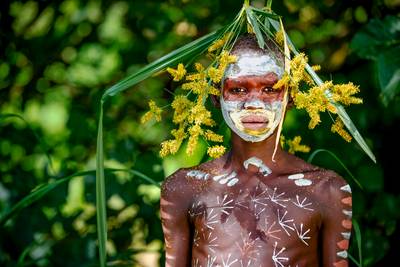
179	55
340	109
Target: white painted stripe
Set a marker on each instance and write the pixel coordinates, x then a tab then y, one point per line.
346	188
348	213
223	181
232	182
342	254
346	235
216	178
302	182
296	176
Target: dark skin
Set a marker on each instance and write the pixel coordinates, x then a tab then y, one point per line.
298	215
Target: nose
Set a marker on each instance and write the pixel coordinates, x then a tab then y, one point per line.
254	104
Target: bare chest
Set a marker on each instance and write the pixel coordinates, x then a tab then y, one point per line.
253	226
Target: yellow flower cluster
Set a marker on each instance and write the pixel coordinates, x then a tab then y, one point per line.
319	98
219	43
314	101
295	146
337	127
192	116
154	112
216	151
179	73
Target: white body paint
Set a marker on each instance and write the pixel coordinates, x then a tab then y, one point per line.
343	254
299	179
230	179
264	170
234	111
303	182
346	188
253	63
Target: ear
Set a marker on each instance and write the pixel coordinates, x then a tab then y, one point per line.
215	101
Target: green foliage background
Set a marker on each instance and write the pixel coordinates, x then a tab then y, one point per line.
58	57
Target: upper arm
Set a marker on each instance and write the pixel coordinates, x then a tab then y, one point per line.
174	218
336	222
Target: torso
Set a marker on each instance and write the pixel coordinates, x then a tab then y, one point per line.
254	218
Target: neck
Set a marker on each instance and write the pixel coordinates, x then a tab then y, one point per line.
264	150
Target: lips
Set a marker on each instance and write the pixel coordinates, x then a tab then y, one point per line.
254	122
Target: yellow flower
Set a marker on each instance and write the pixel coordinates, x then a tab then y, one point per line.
283	82
154	112
179	73
169	147
200	115
211	136
314	101
216	151
337	127
279	38
295	146
213	91
194	132
220	42
282	141
181	106
343	93
215	74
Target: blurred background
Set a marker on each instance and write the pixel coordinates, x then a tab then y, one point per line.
58	57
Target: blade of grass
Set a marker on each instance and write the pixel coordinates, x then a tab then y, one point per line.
251	18
340	109
42	144
269	4
101	212
357	231
266	13
312	156
177	56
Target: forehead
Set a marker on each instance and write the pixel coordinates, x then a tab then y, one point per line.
254	63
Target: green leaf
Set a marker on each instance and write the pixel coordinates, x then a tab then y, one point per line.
252	19
101	212
179	55
266	13
358	238
388	63
375	36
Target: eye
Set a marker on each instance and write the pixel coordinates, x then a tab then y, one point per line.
268	90
238	90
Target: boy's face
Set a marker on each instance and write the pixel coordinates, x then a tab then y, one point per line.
250	106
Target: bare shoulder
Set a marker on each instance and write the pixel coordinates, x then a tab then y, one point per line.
331	189
187	182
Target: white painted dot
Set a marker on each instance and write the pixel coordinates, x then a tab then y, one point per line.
346	188
302	182
296	176
232	182
348	213
346	235
342	254
218	177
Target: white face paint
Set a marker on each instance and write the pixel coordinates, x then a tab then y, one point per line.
253	63
236	112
